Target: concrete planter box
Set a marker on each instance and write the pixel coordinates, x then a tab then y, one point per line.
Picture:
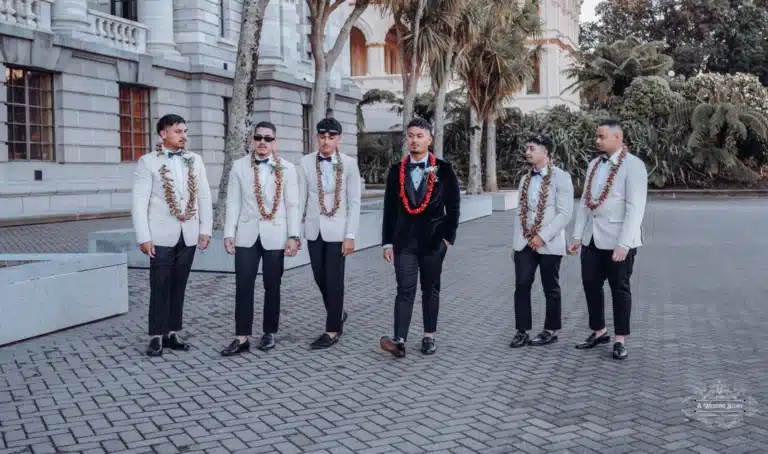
505	200
216	259
43	293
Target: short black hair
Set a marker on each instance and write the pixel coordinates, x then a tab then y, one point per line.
329	124
420	123
169	120
265	124
611	123
543	140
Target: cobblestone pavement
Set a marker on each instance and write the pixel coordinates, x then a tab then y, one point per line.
699	316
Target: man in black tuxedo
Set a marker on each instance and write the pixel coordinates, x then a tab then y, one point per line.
421	216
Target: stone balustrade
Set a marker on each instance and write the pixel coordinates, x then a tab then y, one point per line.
118	32
35	14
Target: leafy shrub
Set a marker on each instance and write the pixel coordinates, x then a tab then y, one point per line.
738	88
648	98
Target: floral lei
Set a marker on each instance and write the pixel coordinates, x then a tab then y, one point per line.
432	171
278	169
170	196
337	192
608	184
540	207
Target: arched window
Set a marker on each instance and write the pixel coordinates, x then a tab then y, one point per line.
358	53
392	53
534	88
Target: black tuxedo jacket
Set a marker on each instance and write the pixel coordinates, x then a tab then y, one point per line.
438	222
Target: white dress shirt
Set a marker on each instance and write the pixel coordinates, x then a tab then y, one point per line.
417	173
603	169
328	173
267	180
534	189
179	173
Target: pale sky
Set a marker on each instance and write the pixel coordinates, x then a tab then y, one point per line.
588	10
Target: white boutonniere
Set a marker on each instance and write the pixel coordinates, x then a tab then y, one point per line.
431	169
275	167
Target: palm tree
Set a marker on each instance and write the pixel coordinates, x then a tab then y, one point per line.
420	26
458	24
721	131
495	66
610	68
370	97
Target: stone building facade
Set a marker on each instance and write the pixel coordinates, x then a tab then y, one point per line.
375	62
85	82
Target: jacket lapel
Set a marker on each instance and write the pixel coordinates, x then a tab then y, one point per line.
409	190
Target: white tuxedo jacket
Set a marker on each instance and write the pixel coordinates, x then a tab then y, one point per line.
344	223
557	215
617	222
244	222
152	219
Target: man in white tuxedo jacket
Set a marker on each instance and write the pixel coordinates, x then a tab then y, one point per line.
544	210
608	222
262	225
330	195
172	213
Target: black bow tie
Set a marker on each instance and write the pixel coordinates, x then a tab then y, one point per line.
171	154
603	157
263	161
321	158
414	165
535	173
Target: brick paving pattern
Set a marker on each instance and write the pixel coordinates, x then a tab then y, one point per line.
699	315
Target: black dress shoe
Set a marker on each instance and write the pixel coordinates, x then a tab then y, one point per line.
155	347
428	345
520	339
593	341
545	337
267	342
236	347
324	341
174	343
619	351
397	349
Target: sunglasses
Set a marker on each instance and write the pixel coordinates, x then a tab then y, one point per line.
267	139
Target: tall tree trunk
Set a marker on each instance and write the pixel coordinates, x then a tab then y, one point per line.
243	97
412	81
442	90
319	88
475	177
320	11
491	183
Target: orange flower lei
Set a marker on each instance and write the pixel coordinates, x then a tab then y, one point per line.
430	186
608	184
540	207
337	191
257	186
168	189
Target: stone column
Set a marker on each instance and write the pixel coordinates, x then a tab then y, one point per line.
157	15
375	59
70	15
